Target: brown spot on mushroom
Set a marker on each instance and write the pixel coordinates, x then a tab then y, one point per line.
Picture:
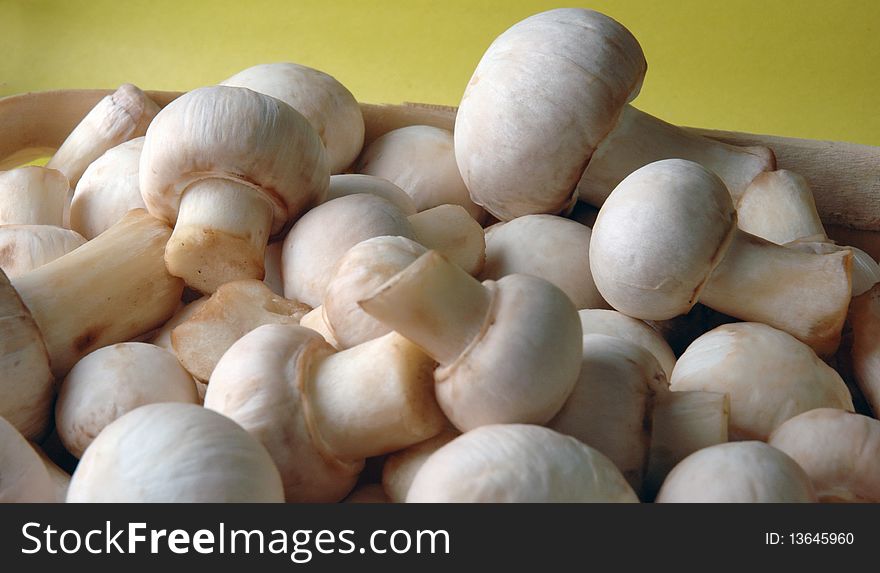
84	342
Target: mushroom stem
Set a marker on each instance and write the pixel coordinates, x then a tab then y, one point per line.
112	289
639	139
804	294
435	304
374	398
222	230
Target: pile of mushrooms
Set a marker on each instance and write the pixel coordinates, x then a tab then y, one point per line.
253	291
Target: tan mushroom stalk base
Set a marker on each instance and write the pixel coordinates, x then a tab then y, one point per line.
321	413
674	225
509	350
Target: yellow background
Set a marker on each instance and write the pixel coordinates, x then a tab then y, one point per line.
807	68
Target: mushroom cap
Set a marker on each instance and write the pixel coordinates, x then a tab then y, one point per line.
545	94
24	248
363	269
546	246
107	190
769	375
659	236
112	381
523	364
236	308
328	105
420	160
839	450
260	383
610	407
23	475
613	323
354	183
737	472
239	135
19	188
518	463
172	452
401	467
322	236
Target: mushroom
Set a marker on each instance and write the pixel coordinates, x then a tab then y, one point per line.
543	119
360	271
509	351
550	247
24	248
112	381
611	405
864	315
369	493
33	195
840	451
123	115
779	206
322	236
320	413
24	477
112	289
401	467
274	278
518	463
60	478
328	105
233	310
228	167
107	190
420	160
667	237
172	452
769	375
613	323
737	472
354	183
162	337
314	320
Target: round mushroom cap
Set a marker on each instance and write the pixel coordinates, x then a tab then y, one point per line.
543	97
522	366
171	453
260	383
737	472
839	450
354	183
363	269
107	190
659	236
112	381
23	475
420	160
322	236
546	246
769	375
239	135
619	325
328	105
515	463
400	468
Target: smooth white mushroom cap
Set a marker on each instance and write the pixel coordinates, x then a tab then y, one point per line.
401	467
659	236
112	381
33	195
328	105
518	463
553	248
235	134
24	248
544	95
354	183
737	472
175	453
23	475
769	375
613	323
420	160
839	450
108	190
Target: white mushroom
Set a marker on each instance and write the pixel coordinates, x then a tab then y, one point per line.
864	315
33	195
24	248
171	452
518	463
23	475
314	320
400	468
354	183
613	323
112	381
